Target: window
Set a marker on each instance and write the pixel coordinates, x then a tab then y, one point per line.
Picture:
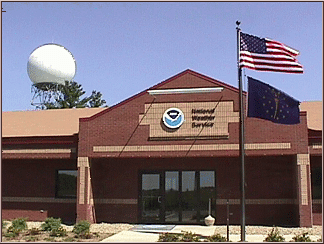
317	183
66	183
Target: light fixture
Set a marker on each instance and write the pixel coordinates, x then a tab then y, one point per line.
185	91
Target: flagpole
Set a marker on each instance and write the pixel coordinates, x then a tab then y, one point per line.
241	133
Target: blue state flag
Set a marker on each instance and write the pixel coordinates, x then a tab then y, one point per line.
269	103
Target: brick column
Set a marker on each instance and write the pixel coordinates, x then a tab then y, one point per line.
304	196
85	203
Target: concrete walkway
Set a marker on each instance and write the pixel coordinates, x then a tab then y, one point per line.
153	235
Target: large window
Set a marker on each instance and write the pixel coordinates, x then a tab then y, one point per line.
66	183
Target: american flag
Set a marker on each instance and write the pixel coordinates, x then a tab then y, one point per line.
264	54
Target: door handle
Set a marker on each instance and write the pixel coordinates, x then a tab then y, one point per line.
159	199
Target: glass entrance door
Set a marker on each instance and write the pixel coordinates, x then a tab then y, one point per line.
172	196
177	196
189	196
151	198
207	193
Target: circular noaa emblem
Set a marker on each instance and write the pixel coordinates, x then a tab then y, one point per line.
173	118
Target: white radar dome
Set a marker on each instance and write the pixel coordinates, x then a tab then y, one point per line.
51	63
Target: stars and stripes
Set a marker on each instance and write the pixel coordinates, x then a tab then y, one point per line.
263	54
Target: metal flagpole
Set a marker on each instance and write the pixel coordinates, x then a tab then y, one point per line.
241	132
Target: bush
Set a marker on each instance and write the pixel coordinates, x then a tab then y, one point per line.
54	226
168	237
11	234
51	224
216	238
175	237
302	238
189	237
16	227
274	236
19	224
58	232
82	229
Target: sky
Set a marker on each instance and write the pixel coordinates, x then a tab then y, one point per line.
123	48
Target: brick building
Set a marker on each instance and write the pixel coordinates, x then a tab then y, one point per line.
132	163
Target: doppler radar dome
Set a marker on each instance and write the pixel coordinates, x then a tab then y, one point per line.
51	63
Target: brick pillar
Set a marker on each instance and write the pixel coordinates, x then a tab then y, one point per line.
304	196
85	203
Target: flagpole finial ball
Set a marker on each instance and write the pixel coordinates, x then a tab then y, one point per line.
238	22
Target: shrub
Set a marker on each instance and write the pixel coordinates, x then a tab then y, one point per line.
51	223
169	237
274	236
302	238
82	229
216	238
19	224
58	232
189	237
11	234
16	227
54	226
175	237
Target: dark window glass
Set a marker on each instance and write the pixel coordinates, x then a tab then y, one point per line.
207	193
189	196
317	183
66	183
151	197
171	196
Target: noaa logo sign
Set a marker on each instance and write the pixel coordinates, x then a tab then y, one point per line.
173	118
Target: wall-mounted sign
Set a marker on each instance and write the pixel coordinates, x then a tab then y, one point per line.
202	118
189	120
173	118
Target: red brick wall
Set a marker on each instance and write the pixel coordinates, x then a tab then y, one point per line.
266	178
115	126
40	143
317	219
33	215
33	182
65	211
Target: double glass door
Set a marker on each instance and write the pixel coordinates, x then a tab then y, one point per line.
177	196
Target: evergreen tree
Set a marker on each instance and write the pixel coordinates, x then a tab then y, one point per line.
96	100
70	97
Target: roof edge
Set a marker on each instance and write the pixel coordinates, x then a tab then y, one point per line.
187	71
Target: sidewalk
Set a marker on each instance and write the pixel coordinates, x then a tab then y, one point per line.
153	235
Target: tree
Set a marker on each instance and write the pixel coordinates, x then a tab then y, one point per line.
70	97
96	100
